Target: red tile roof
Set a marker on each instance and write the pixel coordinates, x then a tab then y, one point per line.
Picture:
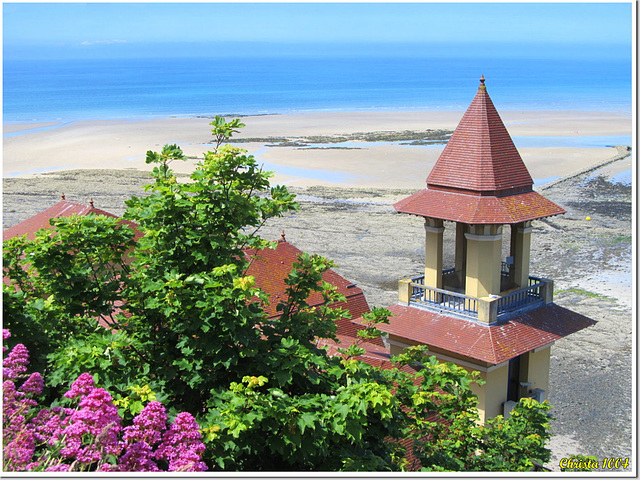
473	209
64	208
480	156
480	176
271	267
493	344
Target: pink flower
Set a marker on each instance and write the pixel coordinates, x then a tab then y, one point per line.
47	423
5	334
138	459
34	384
148	425
20	450
96	418
182	445
107	467
82	386
16	363
189	461
11	398
85	436
14	401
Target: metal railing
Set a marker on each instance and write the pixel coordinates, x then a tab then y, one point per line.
466	305
521	298
444	299
448	272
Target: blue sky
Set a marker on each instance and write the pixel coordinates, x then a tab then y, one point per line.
128	29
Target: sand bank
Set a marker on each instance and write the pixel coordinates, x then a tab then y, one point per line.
123	144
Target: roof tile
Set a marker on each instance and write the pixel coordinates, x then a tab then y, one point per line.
489	343
480	155
64	208
271	267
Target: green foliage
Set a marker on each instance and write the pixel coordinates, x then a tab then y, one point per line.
64	280
223	130
188	327
587	293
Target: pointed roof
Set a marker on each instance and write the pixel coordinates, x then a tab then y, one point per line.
480	176
480	156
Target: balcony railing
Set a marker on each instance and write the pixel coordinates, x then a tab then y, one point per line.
443	299
468	306
524	297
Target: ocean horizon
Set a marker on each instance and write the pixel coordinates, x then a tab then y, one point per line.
66	90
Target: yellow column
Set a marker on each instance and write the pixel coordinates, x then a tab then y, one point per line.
484	252
404	291
434	230
492	394
521	251
461	252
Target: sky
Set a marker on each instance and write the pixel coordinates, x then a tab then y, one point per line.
147	29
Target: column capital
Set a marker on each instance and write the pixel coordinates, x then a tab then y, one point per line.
430	229
483	238
433	222
488	229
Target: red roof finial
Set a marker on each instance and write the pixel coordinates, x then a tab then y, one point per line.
91	202
62	197
482	80
282	235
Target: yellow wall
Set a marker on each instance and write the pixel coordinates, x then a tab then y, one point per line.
433	252
539	363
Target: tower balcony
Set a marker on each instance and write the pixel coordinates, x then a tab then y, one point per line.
414	292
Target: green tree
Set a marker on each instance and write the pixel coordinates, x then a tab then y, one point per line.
187	325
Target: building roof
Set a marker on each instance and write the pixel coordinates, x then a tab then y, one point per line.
493	344
271	267
63	208
458	207
480	176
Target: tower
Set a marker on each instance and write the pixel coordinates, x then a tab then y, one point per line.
484	312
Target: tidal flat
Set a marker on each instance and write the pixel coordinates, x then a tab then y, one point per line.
357	227
347	196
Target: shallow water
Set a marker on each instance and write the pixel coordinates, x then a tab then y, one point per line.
71	90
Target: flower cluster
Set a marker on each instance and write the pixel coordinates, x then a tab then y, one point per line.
17	407
96	418
16	363
84	438
180	446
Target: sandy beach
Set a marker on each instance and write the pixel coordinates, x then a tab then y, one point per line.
30	149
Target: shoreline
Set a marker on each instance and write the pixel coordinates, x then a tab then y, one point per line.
44	147
143	118
13	126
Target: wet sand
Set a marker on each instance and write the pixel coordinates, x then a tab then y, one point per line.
30	149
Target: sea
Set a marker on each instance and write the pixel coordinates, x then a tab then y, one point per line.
113	89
